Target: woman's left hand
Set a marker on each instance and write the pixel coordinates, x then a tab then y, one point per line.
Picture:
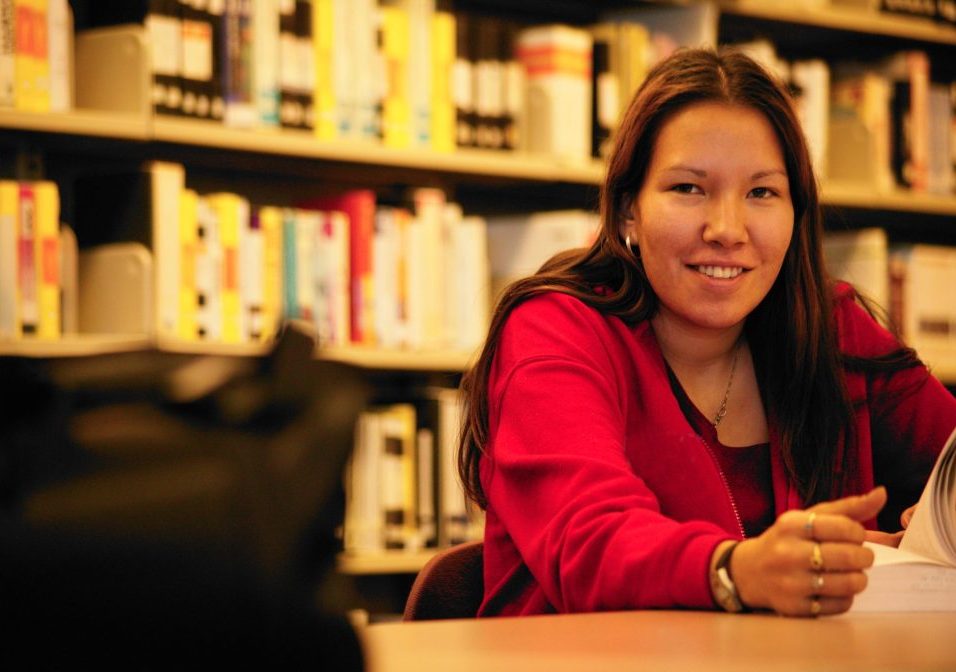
892	538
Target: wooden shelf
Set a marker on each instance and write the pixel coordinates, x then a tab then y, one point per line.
385	562
865	196
843	18
79	122
408	360
512	165
76	345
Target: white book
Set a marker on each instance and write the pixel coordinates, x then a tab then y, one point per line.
265	70
862	258
557	62
517	246
60	52
167	181
386	252
429	206
8	40
307	224
921	574
364	527
812	79
365	75
473	300
921	277
420	18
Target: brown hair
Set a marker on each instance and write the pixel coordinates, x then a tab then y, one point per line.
791	332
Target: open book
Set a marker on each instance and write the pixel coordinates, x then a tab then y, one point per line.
921	574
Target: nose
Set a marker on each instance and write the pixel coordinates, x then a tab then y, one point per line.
725	222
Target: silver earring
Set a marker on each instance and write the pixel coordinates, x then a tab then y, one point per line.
627	241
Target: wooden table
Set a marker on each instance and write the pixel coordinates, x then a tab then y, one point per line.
667	640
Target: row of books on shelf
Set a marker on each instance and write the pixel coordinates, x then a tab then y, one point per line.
413	75
36	42
402	488
884	123
153	257
943	11
910	282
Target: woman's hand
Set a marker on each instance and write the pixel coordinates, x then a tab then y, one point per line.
808	562
892	538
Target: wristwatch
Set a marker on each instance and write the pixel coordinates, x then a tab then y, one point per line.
722	585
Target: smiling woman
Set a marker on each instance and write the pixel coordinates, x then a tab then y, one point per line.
690	413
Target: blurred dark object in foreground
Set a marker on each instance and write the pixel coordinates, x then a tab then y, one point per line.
166	509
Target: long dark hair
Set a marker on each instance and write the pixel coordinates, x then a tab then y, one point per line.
791	333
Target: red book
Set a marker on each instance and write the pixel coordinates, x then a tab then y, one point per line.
359	206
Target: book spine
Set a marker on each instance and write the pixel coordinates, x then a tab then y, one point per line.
251	274
396	112
9	204
215	13
187	325
306	222
270	223
463	81
265	65
28	302
209	273
229	209
237	65
167	181
164	27
196	46
47	263
8	41
60	42
443	60
324	95
305	81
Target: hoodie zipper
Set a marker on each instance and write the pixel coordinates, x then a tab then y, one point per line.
723	479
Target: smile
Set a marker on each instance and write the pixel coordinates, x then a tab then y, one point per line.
720	272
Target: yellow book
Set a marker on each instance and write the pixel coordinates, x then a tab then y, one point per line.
324	101
270	222
396	105
187	327
47	250
227	207
443	62
9	315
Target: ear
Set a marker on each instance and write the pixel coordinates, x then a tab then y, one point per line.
628	225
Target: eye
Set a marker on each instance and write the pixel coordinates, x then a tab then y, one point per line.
762	192
687	188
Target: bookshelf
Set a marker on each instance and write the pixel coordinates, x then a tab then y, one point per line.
492	178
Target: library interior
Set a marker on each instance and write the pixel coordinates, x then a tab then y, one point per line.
249	248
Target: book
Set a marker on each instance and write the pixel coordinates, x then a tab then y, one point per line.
920	575
9	313
862	258
8	40
47	252
196	46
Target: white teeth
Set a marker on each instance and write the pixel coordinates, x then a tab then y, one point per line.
720	271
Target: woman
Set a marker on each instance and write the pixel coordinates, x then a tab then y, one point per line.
689	413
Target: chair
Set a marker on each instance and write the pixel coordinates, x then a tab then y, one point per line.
450	585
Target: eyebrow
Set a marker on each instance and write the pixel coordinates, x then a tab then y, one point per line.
760	174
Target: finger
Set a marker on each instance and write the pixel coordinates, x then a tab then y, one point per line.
836	557
857	507
907	516
829	527
811	607
884	538
835	584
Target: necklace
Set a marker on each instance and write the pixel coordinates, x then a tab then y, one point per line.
722	411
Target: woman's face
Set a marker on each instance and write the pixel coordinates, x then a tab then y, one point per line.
713	219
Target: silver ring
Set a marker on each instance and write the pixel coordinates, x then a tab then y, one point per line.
817	581
808	526
816	558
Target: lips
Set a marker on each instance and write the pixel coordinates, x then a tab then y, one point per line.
719	272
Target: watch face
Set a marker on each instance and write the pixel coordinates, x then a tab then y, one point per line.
725	593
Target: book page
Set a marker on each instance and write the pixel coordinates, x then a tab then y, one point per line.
932	531
903	581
